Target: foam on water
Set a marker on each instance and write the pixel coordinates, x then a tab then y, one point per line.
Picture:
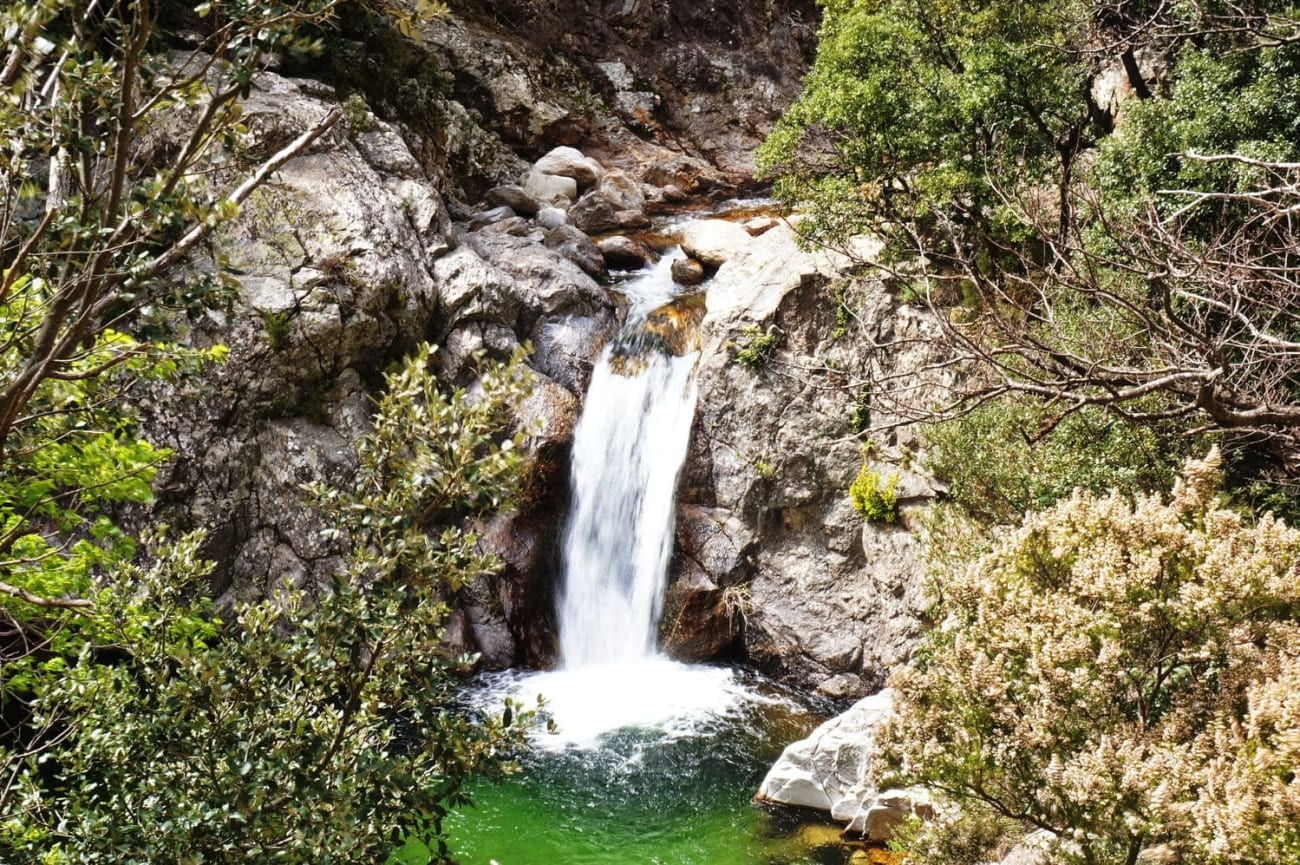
658	698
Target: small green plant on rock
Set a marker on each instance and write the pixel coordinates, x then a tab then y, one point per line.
277	326
757	346
875	497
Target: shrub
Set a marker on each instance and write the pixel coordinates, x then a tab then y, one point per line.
873	497
1119	672
758	346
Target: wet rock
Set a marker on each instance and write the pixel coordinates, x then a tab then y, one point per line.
593	213
714	241
570	162
574	245
565	346
688	271
515	198
623	253
697	622
550	188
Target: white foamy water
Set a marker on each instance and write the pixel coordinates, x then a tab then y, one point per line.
655	696
629	446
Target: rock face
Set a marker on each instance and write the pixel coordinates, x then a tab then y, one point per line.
345	261
827	597
831	771
673	91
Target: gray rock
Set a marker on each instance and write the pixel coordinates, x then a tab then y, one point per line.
622	192
551	217
550	188
714	241
624	253
471	288
515	225
760	224
631	219
487	217
593	213
570	162
515	198
570	242
777	450
565	346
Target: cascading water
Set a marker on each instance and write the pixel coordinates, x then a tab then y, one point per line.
627	451
651	761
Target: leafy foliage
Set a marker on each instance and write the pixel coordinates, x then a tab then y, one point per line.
1136	254
911	106
873	496
757	347
1006	459
298	728
1108	673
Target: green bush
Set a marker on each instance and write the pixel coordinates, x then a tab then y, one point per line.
309	727
999	464
874	497
757	347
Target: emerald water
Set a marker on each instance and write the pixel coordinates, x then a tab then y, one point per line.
673	791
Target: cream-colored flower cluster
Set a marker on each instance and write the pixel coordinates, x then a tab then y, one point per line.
1124	674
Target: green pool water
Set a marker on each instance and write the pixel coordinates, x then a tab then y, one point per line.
674	792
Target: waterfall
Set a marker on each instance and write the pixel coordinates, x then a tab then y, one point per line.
628	448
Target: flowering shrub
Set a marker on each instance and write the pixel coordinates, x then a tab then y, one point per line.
1122	675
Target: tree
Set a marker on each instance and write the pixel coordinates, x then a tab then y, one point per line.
1140	264
96	204
140	724
1113	672
296	729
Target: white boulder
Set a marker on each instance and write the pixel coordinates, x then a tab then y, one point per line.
831	771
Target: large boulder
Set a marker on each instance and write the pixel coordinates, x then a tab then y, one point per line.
594	213
829	597
569	162
831	771
714	241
